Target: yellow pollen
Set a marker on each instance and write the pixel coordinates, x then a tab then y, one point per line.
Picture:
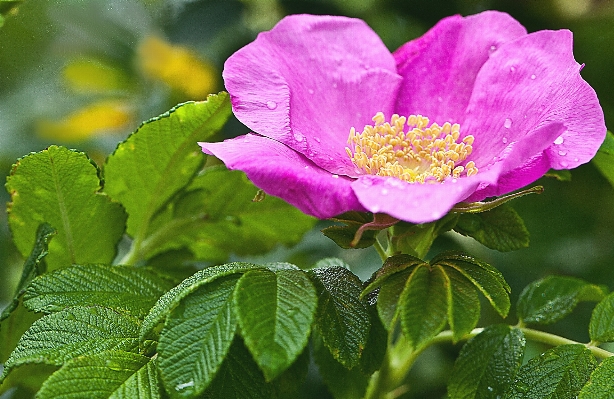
417	154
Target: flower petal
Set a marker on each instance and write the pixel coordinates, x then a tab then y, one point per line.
439	68
284	173
309	80
532	82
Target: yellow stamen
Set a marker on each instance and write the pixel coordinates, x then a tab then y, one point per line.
420	155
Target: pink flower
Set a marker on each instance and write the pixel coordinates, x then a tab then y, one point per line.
503	107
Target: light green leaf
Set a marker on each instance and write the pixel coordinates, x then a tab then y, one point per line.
487	363
112	374
488	280
554	297
342	317
161	158
61	187
423	305
134	290
604	159
217	217
172	298
239	377
463	303
500	228
275	312
73	332
601	327
558	373
601	382
196	338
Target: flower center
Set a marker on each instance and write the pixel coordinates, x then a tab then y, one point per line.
422	154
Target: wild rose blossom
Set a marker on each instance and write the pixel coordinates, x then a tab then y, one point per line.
475	108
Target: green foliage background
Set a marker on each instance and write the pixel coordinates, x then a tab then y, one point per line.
570	224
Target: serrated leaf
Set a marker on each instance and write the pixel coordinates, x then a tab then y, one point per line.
550	299
341	382
111	374
342	318
196	337
217	217
488	280
389	294
463	303
601	327
134	290
500	228
73	332
61	187
557	373
392	265
601	382
275	312
423	305
239	377
377	343
604	159
172	298
161	157
487	363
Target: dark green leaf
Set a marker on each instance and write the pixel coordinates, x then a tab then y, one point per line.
486	278
344	235
61	187
463	303
8	7
377	343
25	380
342	317
558	373
111	374
601	382
275	312
601	327
239	377
73	332
171	299
423	305
217	217
288	383
196	337
554	297
15	323
161	157
487	363
134	290
392	265
604	159
500	228
389	294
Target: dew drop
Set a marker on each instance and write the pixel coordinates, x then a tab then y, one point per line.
564	164
508	123
180	387
375	208
490	389
298	137
513	69
559	140
562	153
440	99
271	104
317	139
532	77
306	166
335	176
492	49
335	85
310	91
384	191
454	180
575	159
504	140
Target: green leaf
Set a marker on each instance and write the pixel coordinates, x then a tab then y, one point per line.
377	343
487	363
61	187
73	332
550	299
171	299
217	217
463	303
389	293
25	380
341	382
604	159
239	377
601	327
15	320
275	312
342	317
558	373
601	382
161	158
344	235
134	290
500	228
112	374
392	265
423	305
196	338
8	7
488	280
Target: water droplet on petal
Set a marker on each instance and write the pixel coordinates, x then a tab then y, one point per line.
562	153
440	99
298	137
559	140
375	208
317	139
575	159
384	191
454	180
504	140
512	69
335	176
532	77
508	123
310	91
306	166
492	49
564	164
271	104
335	85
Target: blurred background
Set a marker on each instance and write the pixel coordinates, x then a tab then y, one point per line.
85	74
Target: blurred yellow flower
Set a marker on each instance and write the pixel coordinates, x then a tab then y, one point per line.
94	76
178	67
108	116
